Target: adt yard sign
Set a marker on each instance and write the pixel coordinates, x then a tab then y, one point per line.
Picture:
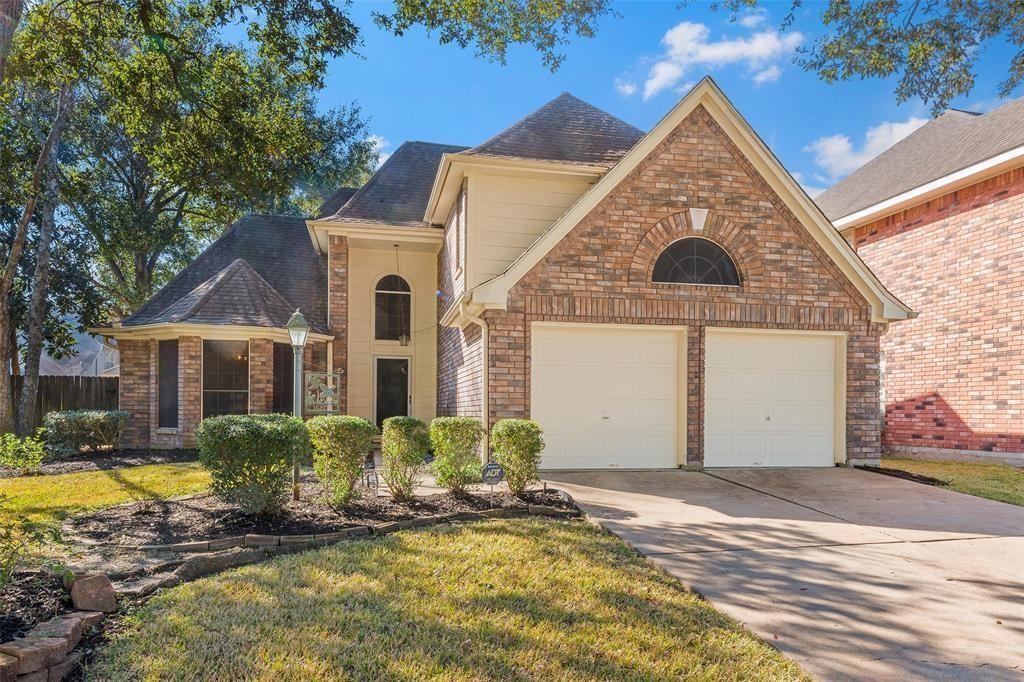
492	473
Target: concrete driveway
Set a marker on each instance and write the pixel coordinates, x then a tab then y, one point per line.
854	574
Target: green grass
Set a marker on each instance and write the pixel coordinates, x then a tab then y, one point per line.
51	498
498	600
1000	482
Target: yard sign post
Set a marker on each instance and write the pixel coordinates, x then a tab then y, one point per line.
298	330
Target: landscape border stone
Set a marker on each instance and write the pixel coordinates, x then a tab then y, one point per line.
48	651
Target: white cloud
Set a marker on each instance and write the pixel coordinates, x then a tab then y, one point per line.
625	87
753	18
769	75
688	45
380	143
812	190
837	155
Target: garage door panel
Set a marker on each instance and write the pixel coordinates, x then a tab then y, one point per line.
774	405
613	400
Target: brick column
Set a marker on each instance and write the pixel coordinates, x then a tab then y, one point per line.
261	376
133	392
190	387
337	309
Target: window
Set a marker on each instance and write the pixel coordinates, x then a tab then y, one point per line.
694	260
225	377
168	380
392	309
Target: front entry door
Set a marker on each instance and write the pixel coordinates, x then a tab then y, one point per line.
392	388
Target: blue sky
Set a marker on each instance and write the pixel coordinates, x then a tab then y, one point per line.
638	65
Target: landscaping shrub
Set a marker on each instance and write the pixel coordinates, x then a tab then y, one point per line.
70	431
340	447
24	454
455	441
517	444
249	457
21	540
404	446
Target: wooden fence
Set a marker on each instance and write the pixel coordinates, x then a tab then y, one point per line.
71	393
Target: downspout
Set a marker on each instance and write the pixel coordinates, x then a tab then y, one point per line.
485	372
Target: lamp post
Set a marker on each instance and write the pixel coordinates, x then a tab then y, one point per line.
298	330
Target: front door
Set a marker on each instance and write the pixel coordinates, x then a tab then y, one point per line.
392	388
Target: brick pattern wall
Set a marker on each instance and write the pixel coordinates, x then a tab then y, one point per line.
261	376
337	309
190	387
954	376
788	282
134	392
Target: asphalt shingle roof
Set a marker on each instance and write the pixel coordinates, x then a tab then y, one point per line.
398	192
951	142
257	273
335	201
567	130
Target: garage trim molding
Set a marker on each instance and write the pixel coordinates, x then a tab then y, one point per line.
681	362
840	338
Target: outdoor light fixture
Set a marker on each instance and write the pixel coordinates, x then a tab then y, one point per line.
298	331
404	339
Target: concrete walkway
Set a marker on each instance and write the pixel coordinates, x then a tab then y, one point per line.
854	574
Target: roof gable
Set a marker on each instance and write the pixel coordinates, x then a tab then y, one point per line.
953	141
494	293
567	130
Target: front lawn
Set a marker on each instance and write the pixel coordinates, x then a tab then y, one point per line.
1000	482
523	599
52	498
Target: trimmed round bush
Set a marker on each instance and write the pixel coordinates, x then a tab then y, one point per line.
517	445
404	445
456	441
68	432
249	457
340	447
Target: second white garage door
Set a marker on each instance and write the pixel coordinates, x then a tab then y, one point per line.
606	397
770	399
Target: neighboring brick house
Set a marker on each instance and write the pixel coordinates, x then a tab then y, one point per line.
939	217
654	300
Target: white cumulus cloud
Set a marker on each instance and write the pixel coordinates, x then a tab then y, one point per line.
625	87
753	18
689	45
837	155
812	190
380	144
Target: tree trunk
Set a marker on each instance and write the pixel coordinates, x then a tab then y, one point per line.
7	276
10	17
37	311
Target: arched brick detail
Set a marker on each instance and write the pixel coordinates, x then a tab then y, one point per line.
716	227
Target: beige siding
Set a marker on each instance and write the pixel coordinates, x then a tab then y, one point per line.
508	212
366	266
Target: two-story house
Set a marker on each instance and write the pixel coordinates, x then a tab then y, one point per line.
655	300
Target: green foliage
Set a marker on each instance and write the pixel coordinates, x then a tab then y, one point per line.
24	454
455	441
249	457
21	540
341	445
929	49
68	432
517	445
404	445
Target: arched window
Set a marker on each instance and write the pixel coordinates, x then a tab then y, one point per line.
695	261
393	302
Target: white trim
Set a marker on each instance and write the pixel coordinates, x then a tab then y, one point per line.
321	230
962	178
172	330
885	306
840	337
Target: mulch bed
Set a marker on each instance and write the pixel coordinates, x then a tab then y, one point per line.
29	600
207	517
102	461
906	475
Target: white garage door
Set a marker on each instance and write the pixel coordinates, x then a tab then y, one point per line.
606	397
769	400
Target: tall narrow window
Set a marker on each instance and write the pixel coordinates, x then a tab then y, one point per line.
392	306
284	359
225	377
168	378
694	260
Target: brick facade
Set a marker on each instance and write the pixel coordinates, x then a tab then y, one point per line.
599	273
139	394
337	310
954	376
261	376
133	391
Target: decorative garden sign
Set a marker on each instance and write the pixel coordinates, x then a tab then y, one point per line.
492	473
321	393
